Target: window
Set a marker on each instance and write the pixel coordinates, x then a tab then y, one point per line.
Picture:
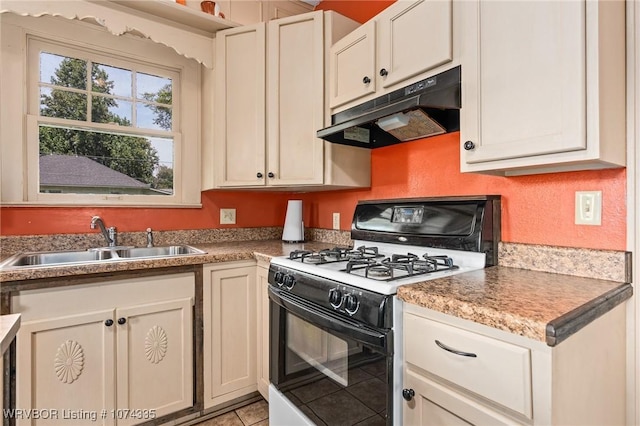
107	121
103	129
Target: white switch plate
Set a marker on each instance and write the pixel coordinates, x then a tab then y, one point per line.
588	208
227	216
336	221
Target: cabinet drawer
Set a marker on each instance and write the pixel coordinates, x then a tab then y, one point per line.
499	371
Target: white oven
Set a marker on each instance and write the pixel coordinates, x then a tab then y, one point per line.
335	323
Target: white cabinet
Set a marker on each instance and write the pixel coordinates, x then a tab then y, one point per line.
262	275
407	39
459	372
229	306
543	86
117	345
269	103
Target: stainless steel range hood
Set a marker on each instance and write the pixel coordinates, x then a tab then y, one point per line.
427	108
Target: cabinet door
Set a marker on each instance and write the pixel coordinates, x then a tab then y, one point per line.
229	306
262	275
523	77
352	66
295	96
435	404
155	357
413	37
67	364
239	133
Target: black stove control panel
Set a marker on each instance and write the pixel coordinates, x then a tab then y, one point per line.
361	305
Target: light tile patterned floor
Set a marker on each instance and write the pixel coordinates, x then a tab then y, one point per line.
256	414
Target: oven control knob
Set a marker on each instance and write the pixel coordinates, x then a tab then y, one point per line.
351	304
279	278
289	282
335	297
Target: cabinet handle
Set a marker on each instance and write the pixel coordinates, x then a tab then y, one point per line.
384	72
408	394
366	80
455	351
122	320
468	145
108	322
259	175
271	175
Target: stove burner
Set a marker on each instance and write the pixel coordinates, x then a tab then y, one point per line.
335	254
399	266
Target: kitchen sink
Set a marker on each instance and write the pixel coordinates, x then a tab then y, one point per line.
105	254
161	251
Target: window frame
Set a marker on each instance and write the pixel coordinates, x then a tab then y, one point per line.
58	36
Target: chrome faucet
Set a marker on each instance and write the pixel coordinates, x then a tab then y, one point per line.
149	237
110	234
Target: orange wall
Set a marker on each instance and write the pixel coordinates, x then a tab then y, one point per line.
537	209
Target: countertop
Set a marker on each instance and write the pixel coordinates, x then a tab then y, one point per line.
216	252
9	325
542	306
538	305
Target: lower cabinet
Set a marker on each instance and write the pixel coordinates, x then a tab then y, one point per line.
112	353
457	372
230	353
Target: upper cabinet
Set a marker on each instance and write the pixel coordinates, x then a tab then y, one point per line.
543	86
269	101
404	40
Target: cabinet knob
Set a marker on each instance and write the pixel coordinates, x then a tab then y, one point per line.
408	394
108	322
366	80
122	320
271	175
259	175
468	145
384	72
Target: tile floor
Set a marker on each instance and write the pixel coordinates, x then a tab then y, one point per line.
256	414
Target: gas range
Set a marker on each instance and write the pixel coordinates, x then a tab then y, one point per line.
334	314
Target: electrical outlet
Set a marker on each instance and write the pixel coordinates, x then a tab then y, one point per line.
336	221
227	216
588	208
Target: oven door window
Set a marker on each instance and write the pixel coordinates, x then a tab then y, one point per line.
331	377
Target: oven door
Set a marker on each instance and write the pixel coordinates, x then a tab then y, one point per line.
330	368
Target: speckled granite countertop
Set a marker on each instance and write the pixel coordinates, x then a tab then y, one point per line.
538	305
217	252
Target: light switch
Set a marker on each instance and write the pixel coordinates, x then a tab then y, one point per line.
588	208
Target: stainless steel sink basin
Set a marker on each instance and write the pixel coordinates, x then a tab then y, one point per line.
163	251
106	254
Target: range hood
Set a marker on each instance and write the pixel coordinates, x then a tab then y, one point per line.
427	108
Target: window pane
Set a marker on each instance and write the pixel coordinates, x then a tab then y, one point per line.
76	161
63	71
153	88
153	116
111	80
163	175
63	104
109	110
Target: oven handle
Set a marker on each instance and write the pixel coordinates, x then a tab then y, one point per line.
329	321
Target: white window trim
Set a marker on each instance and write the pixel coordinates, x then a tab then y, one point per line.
19	144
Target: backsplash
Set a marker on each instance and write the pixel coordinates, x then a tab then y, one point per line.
602	264
17	244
